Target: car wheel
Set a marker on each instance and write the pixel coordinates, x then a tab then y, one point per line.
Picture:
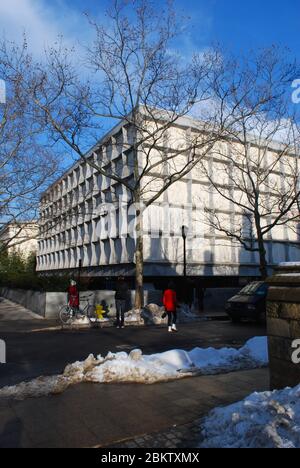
235	319
262	318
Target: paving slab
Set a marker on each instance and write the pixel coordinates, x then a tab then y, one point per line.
98	415
89	415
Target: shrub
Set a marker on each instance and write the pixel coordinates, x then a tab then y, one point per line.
19	271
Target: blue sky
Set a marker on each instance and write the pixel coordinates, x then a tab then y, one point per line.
235	24
238	25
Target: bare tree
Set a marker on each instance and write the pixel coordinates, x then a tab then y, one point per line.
258	160
130	74
25	162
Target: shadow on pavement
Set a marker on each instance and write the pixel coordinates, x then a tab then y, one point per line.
11	435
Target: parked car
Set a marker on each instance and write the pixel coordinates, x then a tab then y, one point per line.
249	303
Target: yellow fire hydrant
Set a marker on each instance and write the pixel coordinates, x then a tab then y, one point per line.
99	312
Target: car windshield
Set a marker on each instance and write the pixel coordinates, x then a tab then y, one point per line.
257	289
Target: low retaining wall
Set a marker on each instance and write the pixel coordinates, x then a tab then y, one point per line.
48	304
31	300
283	325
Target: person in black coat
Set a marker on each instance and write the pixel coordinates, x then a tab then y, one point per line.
121	298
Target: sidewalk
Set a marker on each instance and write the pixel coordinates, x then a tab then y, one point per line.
16	318
10	311
218	315
123	415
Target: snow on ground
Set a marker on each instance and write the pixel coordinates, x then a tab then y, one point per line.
263	420
287	274
139	368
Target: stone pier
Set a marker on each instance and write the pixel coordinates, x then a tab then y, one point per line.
283	324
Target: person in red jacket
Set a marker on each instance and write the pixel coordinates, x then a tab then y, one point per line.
73	297
170	304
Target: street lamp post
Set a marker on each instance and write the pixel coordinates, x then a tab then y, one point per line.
184	234
79	274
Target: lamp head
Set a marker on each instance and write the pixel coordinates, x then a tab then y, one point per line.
184	230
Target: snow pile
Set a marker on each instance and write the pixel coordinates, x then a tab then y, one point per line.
263	420
285	275
78	322
139	368
97	320
211	361
118	367
133	316
81	320
153	314
43	386
256	349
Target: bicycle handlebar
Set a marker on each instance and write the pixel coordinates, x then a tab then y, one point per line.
86	297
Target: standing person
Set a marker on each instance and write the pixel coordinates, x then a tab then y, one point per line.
73	297
189	293
170	304
121	299
201	293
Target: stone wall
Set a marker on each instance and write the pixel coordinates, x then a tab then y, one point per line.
283	325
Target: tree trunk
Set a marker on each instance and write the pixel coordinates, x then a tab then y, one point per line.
139	266
139	246
263	265
263	268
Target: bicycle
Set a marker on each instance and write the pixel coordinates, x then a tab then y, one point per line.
68	314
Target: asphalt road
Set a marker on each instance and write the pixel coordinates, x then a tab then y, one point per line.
31	354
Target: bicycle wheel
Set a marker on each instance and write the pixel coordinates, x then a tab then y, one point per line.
65	314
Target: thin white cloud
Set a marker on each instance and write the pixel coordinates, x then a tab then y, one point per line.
42	22
259	126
